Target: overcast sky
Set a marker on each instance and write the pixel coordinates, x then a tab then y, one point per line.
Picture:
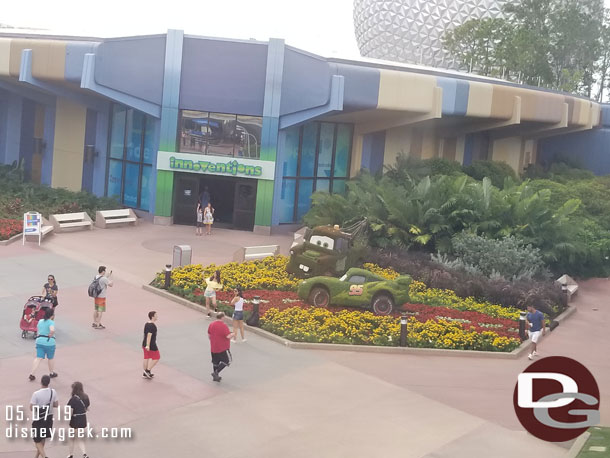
321	26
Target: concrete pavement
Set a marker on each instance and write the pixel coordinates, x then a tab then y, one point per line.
273	401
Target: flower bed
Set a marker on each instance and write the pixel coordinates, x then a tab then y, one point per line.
9	228
353	327
420	293
268	273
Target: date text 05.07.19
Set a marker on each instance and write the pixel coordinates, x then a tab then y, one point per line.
19	413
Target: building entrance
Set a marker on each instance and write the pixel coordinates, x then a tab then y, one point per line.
233	199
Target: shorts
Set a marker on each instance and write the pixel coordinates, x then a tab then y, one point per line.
238	315
199	224
43	351
151	354
534	336
209	293
41	429
222	357
100	304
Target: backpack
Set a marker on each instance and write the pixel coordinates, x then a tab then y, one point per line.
95	288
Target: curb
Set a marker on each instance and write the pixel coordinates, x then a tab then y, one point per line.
578	445
14	238
515	354
567	313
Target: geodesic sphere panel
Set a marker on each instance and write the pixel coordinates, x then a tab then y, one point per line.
411	31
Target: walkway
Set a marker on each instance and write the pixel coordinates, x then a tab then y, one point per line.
273	401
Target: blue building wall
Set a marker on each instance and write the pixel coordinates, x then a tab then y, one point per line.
223	76
590	148
361	86
132	66
373	147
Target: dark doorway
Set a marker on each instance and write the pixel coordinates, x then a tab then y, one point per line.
233	199
186	195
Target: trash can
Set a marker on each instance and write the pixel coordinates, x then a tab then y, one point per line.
182	255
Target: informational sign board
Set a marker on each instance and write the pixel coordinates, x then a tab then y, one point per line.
214	165
32	222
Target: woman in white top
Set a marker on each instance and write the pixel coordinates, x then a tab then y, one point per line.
213	284
238	314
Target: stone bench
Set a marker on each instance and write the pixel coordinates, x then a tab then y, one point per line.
123	216
250	253
70	221
568	284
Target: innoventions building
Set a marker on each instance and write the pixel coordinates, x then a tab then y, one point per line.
154	120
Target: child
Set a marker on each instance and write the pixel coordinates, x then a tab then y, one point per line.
208	218
199	230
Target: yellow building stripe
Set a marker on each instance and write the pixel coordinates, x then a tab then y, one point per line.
408	92
5	55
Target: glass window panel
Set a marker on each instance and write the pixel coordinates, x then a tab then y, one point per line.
339	187
248	136
304	198
194	131
323	185
222	134
115	178
325	154
130	195
144	188
287	201
342	152
308	149
117	137
150	146
135	125
290	151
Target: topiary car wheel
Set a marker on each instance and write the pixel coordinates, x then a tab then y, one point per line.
383	304
319	297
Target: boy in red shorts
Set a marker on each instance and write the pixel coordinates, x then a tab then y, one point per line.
149	345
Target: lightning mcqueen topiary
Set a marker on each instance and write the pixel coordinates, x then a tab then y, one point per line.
357	288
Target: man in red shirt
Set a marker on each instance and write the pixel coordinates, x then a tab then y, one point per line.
220	344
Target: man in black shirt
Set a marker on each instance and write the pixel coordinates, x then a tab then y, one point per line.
149	345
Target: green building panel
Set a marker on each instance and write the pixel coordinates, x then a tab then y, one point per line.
264	203
165	192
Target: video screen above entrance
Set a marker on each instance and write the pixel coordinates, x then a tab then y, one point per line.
220	134
233	199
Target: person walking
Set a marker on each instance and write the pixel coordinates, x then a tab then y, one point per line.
220	346
238	314
199	230
42	403
536	325
79	404
45	343
213	284
99	301
149	345
49	290
208	218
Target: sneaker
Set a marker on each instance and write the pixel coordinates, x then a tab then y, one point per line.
94	325
234	340
32	377
53	374
535	353
244	340
216	377
150	373
530	356
100	326
146	376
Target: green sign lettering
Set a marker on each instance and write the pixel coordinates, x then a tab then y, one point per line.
233	167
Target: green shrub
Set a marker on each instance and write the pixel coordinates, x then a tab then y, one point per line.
18	197
497	172
508	258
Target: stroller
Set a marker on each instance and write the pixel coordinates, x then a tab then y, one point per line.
33	310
